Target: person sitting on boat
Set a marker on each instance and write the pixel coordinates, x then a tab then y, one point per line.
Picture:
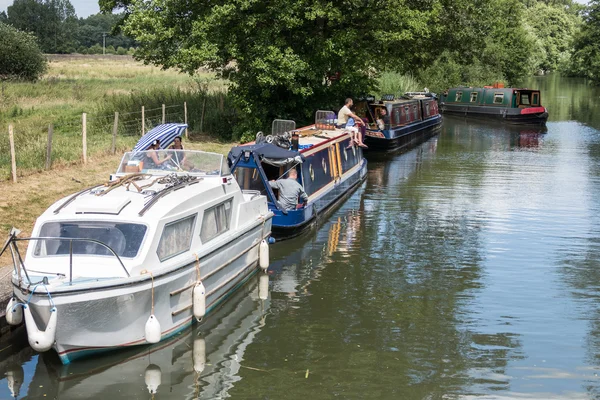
289	191
383	120
348	120
151	159
183	162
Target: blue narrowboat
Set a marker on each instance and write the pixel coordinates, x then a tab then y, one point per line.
328	167
394	124
510	105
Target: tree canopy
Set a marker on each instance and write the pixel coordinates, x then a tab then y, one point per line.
20	55
586	50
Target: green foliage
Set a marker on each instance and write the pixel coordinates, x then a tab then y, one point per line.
553	29
20	55
53	22
586	52
92	28
395	83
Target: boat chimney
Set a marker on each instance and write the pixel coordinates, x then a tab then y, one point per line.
295	141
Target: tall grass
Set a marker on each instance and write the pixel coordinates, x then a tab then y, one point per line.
397	84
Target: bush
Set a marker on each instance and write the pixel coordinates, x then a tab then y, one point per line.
20	55
121	51
95	49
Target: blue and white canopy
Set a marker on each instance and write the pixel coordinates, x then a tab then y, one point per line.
165	133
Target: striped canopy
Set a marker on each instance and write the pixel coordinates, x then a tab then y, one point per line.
165	133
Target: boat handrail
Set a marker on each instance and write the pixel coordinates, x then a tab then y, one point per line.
71	240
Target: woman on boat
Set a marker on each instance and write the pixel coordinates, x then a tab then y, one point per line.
151	159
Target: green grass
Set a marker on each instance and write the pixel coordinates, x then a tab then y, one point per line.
397	84
99	86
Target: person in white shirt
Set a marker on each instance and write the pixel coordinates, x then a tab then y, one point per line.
348	120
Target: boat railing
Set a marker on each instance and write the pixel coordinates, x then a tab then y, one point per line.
325	119
280	126
19	264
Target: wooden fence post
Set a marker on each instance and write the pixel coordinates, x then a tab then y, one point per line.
113	148
202	115
163	113
84	136
49	146
143	121
13	159
185	118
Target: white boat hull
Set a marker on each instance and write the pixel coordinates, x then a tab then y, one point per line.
109	317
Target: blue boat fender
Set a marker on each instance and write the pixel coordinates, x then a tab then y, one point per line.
272	240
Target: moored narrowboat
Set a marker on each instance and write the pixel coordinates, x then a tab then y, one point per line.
328	167
400	123
511	105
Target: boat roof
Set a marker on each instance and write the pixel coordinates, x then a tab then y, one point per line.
268	152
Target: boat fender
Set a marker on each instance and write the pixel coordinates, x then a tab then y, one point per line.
14	379
152	330
14	312
153	378
263	286
40	340
271	240
199	355
199	300
263	254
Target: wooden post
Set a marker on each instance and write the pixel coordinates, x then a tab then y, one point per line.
84	136
143	121
163	113
13	159
202	115
113	148
185	118
49	146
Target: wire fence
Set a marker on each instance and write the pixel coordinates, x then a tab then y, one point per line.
33	148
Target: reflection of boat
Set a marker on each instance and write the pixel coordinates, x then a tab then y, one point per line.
511	105
131	262
400	123
203	362
328	168
526	136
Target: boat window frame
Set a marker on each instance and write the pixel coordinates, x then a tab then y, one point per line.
473	97
458	96
535	98
220	230
499	95
162	235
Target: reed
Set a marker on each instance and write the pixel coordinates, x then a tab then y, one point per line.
397	84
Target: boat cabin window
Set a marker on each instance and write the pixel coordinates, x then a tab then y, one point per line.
416	112
176	238
458	96
249	179
535	99
524	99
216	221
124	239
473	97
498	98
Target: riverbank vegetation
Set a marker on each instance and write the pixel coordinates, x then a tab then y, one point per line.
287	59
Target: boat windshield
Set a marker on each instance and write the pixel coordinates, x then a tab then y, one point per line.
168	161
125	239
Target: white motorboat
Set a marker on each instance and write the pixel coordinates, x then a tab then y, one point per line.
133	261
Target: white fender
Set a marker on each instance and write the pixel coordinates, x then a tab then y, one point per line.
152	330
199	300
14	315
14	379
263	286
40	340
199	355
263	254
153	378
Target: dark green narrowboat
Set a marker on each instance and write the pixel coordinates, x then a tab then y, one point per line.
512	105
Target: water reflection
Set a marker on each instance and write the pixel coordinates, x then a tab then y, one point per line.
200	363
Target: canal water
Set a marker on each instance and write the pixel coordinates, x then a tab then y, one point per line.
466	268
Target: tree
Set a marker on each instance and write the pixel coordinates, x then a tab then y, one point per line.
586	50
279	55
92	28
20	55
53	22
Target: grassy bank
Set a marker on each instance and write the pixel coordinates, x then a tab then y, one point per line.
98	86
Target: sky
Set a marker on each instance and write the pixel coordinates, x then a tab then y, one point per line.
83	8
